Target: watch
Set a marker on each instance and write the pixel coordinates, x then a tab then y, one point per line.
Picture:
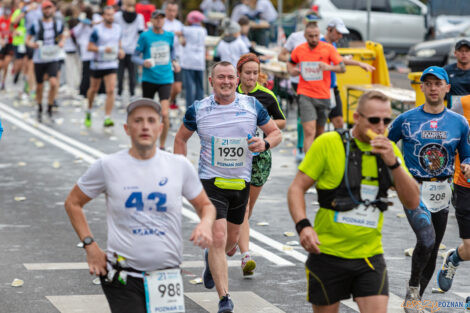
87	241
266	145
396	165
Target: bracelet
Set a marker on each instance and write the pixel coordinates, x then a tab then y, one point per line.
302	224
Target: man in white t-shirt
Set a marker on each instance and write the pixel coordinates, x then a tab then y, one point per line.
144	187
172	24
132	25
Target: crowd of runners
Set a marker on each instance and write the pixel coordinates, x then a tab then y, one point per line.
238	124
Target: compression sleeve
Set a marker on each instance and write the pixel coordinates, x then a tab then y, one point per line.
137	58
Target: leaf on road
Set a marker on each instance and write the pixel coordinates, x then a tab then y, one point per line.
17	282
20	198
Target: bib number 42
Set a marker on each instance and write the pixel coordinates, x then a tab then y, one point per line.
135	200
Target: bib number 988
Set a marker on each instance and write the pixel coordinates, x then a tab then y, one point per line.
170	289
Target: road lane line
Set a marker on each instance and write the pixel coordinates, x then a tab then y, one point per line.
80	304
7	114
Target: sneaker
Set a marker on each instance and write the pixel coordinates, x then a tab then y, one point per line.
49	111
248	265
39	116
225	304
233	251
88	120
467	303
446	273
206	274
173	106
108	122
412	301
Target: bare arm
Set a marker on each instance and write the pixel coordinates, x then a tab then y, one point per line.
292	69
92	47
364	66
281	124
30	43
181	139
339	68
296	202
202	233
74	207
284	55
273	136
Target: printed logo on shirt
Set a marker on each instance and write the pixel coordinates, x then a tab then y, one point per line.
240	113
431	134
163	181
433	158
433	124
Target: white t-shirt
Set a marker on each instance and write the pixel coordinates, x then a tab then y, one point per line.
175	26
238	11
130	31
82	33
49	50
232	51
208	6
103	37
292	42
143	204
268	12
194	51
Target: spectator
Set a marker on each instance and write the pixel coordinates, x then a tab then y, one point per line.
231	47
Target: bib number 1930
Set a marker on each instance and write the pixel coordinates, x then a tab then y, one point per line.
164	291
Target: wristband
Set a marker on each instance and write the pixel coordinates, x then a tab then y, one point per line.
302	224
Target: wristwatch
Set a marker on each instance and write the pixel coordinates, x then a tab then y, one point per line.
266	145
87	241
396	165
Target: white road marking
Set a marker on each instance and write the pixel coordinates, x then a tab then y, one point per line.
80	304
244	301
8	115
84	265
394	304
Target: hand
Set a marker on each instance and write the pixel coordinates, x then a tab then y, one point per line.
382	146
108	49
176	67
295	71
202	235
96	259
465	168
366	67
256	144
121	54
323	66
309	240
147	64
61	44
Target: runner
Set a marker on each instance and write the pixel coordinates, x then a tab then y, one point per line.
132	25
248	69
459	72
345	244
172	24
431	135
105	42
32	13
294	40
224	121
156	47
47	44
17	25
6	39
334	32
144	189
310	60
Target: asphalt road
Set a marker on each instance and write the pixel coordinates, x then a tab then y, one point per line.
40	164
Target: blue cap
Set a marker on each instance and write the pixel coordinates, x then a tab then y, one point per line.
437	71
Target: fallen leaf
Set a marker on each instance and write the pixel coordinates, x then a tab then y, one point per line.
20	198
56	164
409	252
262	224
113	138
289	234
292	243
97	281
442	246
401	215
21	163
39	144
17	282
437	290
287	248
196	281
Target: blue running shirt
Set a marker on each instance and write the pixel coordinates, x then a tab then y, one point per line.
159	48
225	123
430	141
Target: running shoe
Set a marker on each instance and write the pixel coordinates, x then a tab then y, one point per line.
467	304
174	106
206	274
233	251
447	272
225	304
49	111
248	265
108	122
412	302
88	120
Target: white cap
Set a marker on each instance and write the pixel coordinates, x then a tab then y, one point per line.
339	25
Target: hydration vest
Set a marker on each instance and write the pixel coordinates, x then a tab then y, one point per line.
347	195
41	31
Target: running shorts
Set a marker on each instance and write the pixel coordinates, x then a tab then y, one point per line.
102	73
178	77
49	68
312	109
261	168
331	279
461	202
125	298
229	204
338	109
7	50
149	90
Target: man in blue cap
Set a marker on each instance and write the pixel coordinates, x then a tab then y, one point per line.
432	135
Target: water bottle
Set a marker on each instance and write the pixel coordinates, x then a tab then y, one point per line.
253	153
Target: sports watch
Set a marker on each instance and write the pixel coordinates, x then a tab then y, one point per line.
396	165
87	241
266	145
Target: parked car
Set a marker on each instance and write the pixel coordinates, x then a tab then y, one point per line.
396	24
446	19
434	52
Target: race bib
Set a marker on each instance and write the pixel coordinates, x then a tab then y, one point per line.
311	71
454	100
229	152
109	56
362	215
49	53
22	49
164	291
160	54
436	195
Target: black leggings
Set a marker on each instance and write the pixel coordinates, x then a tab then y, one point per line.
124	64
429	229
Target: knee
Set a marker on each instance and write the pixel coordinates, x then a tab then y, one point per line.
219	238
110	92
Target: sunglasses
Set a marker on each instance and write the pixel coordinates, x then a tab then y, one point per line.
375	120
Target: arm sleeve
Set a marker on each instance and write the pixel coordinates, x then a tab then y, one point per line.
192	186
464	145
263	116
189	119
92	183
395	129
94	36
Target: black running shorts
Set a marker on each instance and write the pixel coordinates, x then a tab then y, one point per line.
461	202
49	68
331	279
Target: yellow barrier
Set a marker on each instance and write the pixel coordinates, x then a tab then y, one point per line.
416	84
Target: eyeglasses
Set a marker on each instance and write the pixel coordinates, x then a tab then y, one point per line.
375	120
